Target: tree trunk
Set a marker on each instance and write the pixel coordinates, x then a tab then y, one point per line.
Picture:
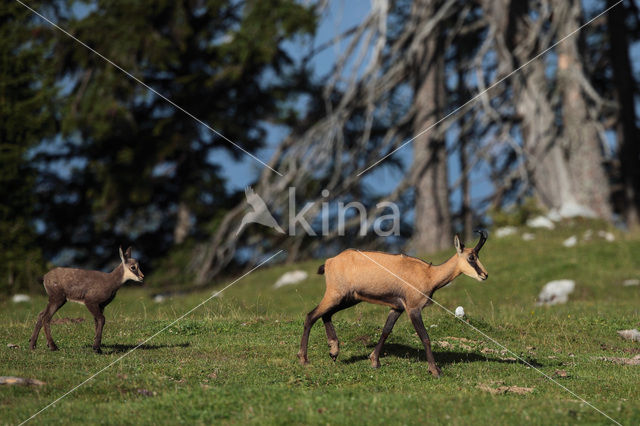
565	162
627	131
548	172
465	209
466	213
579	138
432	223
546	162
183	224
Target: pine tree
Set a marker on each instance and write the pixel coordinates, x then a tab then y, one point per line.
25	119
136	167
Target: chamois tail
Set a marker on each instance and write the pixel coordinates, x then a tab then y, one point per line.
321	269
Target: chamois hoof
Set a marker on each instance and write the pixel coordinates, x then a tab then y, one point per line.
303	360
32	347
436	372
97	350
334	349
375	362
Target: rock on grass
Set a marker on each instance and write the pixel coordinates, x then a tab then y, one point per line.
502	389
555	292
633	334
540	222
20	298
291	277
12	380
570	242
623	361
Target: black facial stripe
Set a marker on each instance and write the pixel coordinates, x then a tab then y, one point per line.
475	266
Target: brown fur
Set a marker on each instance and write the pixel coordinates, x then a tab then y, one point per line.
401	282
94	289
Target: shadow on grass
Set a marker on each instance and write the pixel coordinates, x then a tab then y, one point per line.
442	357
119	348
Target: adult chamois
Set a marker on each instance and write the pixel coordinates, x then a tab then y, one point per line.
401	282
94	289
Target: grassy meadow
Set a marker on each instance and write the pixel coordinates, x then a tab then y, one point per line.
233	360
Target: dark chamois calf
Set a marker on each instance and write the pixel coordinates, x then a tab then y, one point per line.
94	289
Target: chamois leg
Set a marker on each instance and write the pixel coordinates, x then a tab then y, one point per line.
98	319
416	319
332	337
311	319
326	305
36	330
50	310
394	314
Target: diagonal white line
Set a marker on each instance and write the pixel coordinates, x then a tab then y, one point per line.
494	341
149	338
131	76
486	90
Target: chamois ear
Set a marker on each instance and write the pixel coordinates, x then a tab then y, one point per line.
127	253
121	255
458	244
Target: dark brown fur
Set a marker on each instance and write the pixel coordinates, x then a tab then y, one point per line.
94	289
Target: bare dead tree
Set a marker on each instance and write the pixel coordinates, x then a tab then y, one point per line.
557	115
366	115
432	223
580	106
390	84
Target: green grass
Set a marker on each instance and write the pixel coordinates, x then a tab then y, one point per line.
234	359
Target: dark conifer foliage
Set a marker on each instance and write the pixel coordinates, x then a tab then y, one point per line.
126	161
25	120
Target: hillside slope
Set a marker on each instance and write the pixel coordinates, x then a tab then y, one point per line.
233	359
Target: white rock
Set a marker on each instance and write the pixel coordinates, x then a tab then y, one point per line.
528	236
571	209
631	282
540	222
505	231
606	235
159	298
554	215
633	335
555	292
291	277
571	241
19	298
459	312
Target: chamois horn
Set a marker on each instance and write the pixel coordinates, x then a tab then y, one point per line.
483	238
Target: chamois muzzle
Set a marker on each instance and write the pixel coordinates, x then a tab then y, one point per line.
138	273
483	238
